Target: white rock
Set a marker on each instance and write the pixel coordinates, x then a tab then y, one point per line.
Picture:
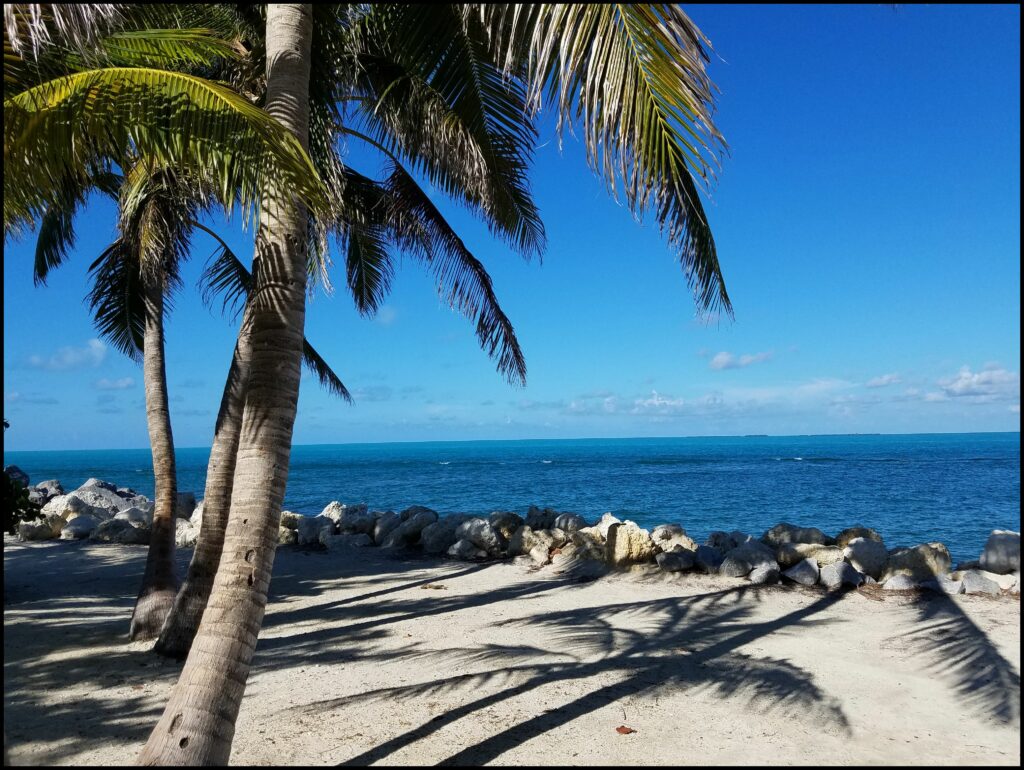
944	585
569	522
843	538
466	551
286	536
788	554
922	562
309	529
537	518
735	566
135	516
676	561
196	519
1002	552
408	532
79	527
120	531
480	533
505	523
867	556
39	529
627	544
605	523
764	574
976	583
185	535
350	519
788	533
805	572
899	582
836	575
669	537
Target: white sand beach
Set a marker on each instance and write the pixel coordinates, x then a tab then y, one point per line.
368	656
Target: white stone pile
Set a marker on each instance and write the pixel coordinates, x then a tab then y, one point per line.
565	542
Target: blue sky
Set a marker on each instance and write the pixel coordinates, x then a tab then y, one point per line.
867	221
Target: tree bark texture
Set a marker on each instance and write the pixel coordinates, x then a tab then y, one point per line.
198	724
159	584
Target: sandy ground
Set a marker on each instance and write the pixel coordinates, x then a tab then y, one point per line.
368	657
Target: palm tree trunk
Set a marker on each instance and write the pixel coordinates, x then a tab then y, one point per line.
198	724
183	621
159	584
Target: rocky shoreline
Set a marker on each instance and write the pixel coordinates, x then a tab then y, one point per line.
564	542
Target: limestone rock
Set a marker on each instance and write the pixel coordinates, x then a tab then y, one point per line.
505	523
537	518
39	529
835	575
764	574
196	519
735	566
350	519
1002	552
899	582
627	544
286	536
944	585
79	527
605	523
439	536
415	510
310	528
922	562
866	555
569	522
843	538
976	583
386	524
408	532
805	572
120	531
576	564
102	494
676	561
669	537
741	560
185	535
589	544
45	491
464	550
788	533
480	533
184	506
136	517
71	505
708	559
289	519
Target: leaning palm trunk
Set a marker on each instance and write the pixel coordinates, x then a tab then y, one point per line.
183	621
198	724
156	597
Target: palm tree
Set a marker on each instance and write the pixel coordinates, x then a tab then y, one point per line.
634	76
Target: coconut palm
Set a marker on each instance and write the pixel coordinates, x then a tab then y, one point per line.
633	75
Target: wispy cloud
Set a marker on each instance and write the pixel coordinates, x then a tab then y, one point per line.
66	358
14	397
727	360
120	384
883	381
373	393
992	383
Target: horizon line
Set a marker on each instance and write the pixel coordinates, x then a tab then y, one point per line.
580	438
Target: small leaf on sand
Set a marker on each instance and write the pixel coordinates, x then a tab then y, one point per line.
623	730
435	586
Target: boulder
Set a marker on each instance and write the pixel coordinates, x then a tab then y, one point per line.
537	545
836	575
310	528
605	523
576	564
922	562
1015	588
944	585
627	544
16	474
183	507
805	572
45	491
537	518
99	484
347	540
289	519
723	542
669	537
740	561
481	534
79	527
679	560
414	510
105	498
843	538
866	555
196	519
569	522
185	535
707	559
1002	552
505	523
764	574
39	529
350	519
71	505
286	536
589	544
784	533
464	550
734	566
120	531
136	517
976	583
387	523
899	582
408	532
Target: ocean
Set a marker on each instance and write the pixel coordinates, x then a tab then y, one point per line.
954	488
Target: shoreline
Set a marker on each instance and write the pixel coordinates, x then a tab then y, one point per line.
357	663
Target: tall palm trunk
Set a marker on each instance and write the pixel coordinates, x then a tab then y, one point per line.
159	585
198	724
183	621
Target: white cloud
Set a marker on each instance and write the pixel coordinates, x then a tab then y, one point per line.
726	360
91	355
885	379
120	384
990	384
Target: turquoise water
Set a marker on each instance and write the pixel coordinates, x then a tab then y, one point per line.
954	488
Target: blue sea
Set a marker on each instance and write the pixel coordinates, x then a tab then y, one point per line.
954	488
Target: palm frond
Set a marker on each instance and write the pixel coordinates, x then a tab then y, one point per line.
634	76
117	299
180	121
28	27
329	381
